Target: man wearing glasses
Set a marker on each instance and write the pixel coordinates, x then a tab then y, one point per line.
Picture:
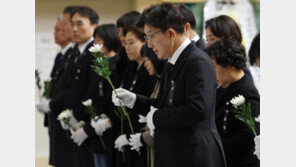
182	118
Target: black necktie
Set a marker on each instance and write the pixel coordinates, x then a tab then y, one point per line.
167	73
59	58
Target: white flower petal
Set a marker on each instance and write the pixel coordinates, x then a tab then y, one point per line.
237	101
65	114
87	103
257	119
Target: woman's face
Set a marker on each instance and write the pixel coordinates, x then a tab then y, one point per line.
133	46
211	38
121	37
223	77
100	41
149	66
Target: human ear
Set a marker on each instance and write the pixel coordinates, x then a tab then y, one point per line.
172	33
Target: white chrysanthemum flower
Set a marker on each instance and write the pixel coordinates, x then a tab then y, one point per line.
96	48
87	103
237	101
65	114
258	118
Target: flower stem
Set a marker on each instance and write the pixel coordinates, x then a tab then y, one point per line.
254	131
123	157
122	108
103	143
85	146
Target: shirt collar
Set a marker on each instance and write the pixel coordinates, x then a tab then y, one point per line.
65	49
196	38
177	53
84	45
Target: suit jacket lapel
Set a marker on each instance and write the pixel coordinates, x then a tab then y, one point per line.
176	69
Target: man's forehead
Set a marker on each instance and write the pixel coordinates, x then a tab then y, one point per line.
78	17
148	29
67	17
59	24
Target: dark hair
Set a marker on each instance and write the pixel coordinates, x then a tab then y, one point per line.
128	19
228	52
224	26
139	32
165	16
254	51
141	22
69	9
109	34
87	12
157	63
188	15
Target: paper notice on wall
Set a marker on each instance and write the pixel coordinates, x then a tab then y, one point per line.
45	52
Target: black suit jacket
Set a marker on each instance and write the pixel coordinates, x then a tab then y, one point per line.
61	88
185	130
79	81
61	151
237	138
200	44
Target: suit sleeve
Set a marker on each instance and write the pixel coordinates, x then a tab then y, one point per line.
143	103
58	102
199	80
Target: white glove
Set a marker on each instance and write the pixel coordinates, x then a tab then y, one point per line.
257	146
126	97
101	125
135	141
73	122
142	119
79	136
43	106
120	142
150	120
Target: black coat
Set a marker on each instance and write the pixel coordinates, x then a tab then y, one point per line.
200	44
100	92
81	78
237	139
185	130
137	81
61	151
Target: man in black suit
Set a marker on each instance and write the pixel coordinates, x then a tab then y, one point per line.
190	26
84	21
61	152
183	124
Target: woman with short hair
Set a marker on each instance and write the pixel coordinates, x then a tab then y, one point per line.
229	60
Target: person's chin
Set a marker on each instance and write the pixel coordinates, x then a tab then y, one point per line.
160	56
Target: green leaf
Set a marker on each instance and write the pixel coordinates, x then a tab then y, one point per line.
37	78
47	88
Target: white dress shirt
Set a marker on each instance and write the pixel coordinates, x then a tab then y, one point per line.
178	52
195	39
84	45
65	49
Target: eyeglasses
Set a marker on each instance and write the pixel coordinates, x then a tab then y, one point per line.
149	37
